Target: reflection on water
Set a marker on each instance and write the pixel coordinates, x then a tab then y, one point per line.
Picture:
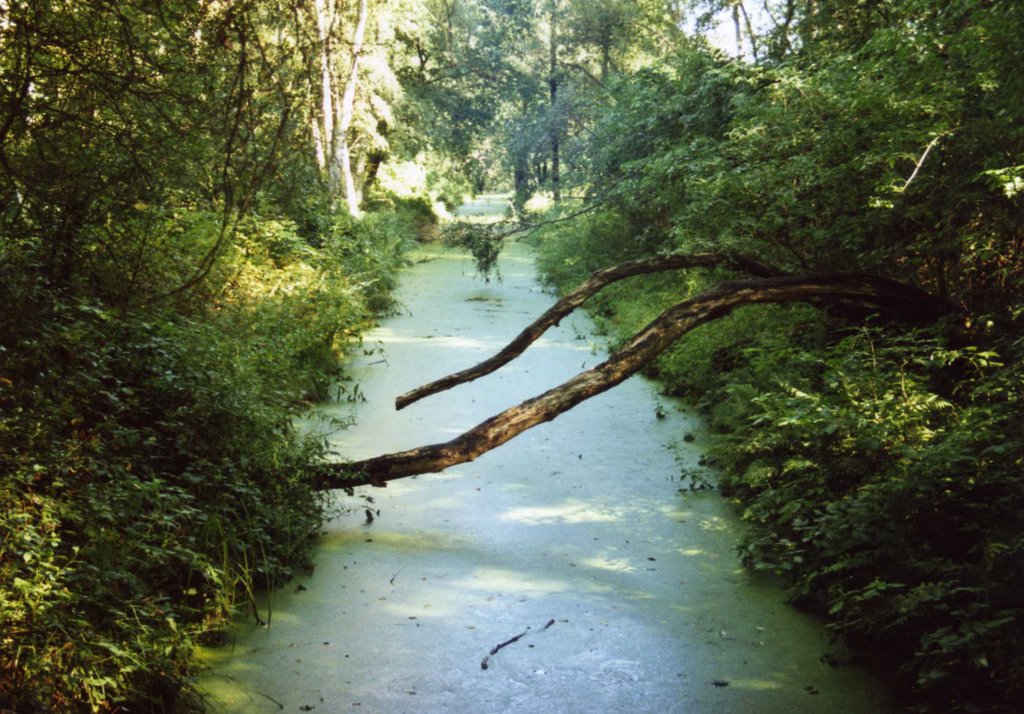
510	581
629	592
613	565
569	511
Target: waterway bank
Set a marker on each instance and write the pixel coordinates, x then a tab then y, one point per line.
580	521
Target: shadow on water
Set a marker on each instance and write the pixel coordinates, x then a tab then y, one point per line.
578	534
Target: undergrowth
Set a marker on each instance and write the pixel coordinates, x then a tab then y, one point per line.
878	469
150	476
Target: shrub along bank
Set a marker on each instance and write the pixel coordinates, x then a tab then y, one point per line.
878	469
152	479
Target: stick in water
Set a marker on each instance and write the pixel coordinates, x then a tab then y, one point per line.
506	643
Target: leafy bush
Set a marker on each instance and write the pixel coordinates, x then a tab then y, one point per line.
298	307
150	476
484	242
879	472
883	482
372	251
569	252
416	210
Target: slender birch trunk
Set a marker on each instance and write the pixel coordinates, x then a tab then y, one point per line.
346	110
323	124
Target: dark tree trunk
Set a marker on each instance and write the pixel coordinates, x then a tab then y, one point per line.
522	184
373	165
556	154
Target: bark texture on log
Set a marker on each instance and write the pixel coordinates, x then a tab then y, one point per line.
893	298
596	282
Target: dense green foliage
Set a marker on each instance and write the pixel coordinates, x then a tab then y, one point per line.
177	282
879	468
152	478
202	204
892	499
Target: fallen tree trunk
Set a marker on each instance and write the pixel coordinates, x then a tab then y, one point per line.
892	298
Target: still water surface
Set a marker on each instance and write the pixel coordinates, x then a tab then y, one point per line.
584	521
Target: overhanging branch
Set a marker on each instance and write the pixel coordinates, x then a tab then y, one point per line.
890	297
596	282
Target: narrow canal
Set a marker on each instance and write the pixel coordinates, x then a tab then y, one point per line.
581	533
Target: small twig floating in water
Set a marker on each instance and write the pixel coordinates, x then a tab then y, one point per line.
506	643
392	581
270	698
498	647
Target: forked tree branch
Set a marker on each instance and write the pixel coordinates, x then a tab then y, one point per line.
892	298
554	315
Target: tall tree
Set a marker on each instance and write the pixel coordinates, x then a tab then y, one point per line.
100	95
554	20
346	110
572	50
339	80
